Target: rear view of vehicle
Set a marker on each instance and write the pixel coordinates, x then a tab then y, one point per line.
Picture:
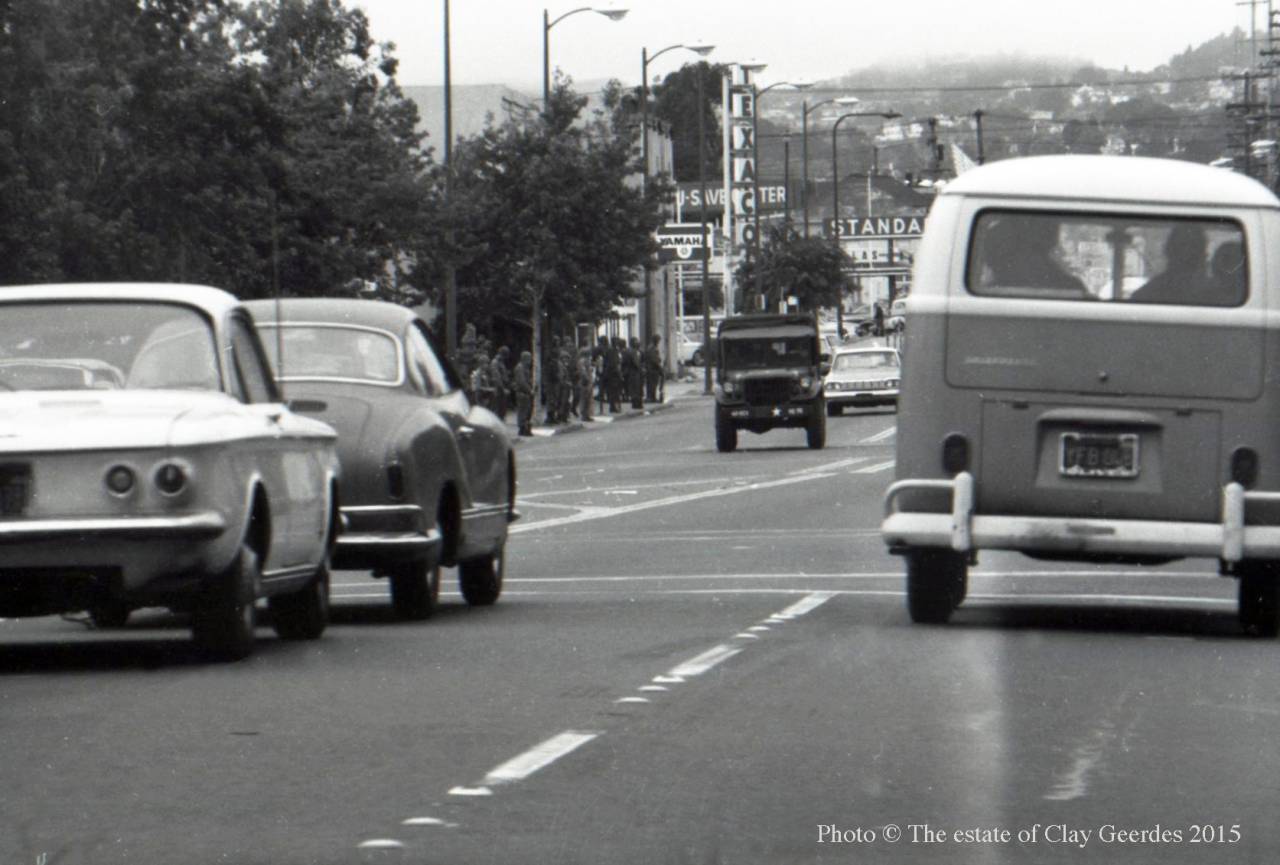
1085	376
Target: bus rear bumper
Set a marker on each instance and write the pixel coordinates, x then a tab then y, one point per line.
965	531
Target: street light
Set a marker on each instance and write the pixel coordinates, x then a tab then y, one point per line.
612	13
702	49
835	191
755	156
805	110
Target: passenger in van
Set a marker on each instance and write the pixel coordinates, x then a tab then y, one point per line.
1021	253
1185	278
1227	272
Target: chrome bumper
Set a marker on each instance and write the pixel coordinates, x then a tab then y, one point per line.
963	531
374	533
208	524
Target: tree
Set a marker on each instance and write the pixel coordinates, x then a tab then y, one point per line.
177	139
810	269
546	220
676	105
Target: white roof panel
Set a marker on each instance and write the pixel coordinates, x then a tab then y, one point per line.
1123	179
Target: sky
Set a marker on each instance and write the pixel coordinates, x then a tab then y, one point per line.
500	41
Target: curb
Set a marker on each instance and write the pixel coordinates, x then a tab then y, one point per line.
578	425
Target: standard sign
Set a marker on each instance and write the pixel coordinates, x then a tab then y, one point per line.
679	241
878	227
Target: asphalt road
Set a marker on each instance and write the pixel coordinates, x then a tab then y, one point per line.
698	658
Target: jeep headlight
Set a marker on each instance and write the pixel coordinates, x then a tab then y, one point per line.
730	388
806	382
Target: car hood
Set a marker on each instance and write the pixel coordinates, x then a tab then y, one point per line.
864	375
113	420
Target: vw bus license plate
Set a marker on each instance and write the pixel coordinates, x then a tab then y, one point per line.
1092	455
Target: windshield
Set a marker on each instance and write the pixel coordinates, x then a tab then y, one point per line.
1197	262
333	352
865	360
763	353
105	346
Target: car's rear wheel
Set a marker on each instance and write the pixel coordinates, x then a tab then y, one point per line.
415	589
304	614
726	435
223	619
937	581
110	614
696	360
816	431
481	579
1260	598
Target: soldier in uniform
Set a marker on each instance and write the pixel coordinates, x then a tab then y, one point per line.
551	382
613	374
586	389
500	378
481	385
637	373
522	384
569	378
653	368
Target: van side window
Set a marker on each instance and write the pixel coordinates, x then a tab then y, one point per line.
1109	257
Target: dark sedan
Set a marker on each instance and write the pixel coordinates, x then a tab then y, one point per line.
430	479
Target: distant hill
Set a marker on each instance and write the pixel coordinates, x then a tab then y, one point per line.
473	104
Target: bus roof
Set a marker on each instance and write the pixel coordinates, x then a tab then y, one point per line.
1120	179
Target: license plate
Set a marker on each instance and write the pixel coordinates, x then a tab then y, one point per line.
15	489
1094	455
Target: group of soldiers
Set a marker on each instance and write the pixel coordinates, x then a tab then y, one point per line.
571	381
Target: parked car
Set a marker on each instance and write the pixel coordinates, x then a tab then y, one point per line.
429	478
864	376
146	460
688	350
897	319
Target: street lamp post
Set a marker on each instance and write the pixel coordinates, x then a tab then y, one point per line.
702	210
613	14
835	190
702	49
755	157
450	273
805	110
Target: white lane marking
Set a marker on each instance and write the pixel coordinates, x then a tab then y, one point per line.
428	821
839	464
1074	783
470	791
758	628
539	756
880	436
663	502
682	483
807	605
654	688
381	844
632	700
745	636
704	662
668	680
870	470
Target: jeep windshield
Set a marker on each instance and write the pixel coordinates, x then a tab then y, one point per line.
768	352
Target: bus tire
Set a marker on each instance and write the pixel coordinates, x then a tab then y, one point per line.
937	580
1260	598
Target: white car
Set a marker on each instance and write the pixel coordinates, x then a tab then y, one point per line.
688	350
864	376
897	319
147	459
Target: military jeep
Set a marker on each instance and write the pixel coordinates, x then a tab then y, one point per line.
769	376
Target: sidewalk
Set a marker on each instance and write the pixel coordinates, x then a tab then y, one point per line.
676	391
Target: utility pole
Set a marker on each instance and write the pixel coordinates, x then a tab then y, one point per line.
977	121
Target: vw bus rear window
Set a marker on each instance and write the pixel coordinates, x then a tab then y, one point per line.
1107	257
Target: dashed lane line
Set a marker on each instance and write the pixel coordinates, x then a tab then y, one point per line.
883	435
878	467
